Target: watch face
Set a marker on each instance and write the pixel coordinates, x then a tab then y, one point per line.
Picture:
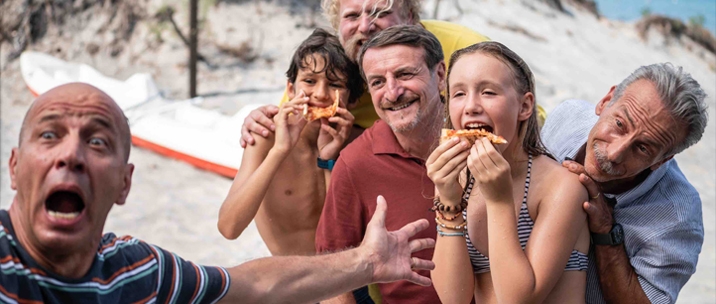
617	234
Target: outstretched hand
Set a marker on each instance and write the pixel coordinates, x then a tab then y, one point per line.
389	253
599	210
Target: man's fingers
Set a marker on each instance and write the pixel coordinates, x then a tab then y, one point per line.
246	138
413	228
588	208
421	244
416	278
418	263
573	167
263	121
591	186
269	110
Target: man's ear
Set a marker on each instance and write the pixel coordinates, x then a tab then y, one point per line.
440	72
659	163
290	92
127	184
527	106
602	104
12	167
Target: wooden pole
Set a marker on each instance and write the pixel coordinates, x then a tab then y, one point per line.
193	8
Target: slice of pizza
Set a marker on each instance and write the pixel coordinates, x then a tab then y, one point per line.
471	135
313	113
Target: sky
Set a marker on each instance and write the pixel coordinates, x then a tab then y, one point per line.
630	10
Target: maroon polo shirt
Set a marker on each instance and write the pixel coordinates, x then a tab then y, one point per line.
375	164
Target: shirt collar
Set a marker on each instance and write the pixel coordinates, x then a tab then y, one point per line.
385	142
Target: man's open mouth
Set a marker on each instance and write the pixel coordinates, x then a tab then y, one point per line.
64	204
403	106
475	126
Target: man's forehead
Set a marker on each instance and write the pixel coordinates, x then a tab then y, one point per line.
400	55
76	99
642	106
366	4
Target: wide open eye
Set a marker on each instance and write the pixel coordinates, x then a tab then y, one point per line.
95	141
49	135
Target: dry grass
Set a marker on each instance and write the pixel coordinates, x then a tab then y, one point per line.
674	29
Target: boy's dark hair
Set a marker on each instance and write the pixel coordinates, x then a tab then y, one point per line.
326	45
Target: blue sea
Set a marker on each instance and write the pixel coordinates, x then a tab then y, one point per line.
630	10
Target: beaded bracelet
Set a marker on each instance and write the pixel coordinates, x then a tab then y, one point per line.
462	226
448	218
441	233
440	207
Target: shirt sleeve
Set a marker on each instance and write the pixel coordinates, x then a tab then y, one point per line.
182	281
666	262
341	223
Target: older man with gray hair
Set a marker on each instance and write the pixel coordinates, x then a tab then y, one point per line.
644	216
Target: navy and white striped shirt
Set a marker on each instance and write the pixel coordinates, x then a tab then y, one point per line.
125	270
661	217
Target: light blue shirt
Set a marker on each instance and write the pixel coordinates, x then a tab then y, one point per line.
661	217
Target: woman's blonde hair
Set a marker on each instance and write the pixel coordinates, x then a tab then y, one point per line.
331	9
523	83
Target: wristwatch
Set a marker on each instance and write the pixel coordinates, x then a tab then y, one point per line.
614	237
326	164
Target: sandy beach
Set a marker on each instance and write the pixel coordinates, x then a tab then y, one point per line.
174	205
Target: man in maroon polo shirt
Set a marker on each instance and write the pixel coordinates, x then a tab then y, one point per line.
405	72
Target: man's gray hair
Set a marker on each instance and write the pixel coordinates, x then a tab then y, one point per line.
680	94
409	35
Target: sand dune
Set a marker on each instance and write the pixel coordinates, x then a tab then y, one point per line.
573	55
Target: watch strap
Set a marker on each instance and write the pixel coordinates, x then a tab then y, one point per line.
614	237
326	164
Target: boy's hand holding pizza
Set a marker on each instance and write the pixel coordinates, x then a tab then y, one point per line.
289	123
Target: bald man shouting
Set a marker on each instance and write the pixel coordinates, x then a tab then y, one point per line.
69	169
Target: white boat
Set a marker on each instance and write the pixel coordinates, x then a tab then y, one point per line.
175	128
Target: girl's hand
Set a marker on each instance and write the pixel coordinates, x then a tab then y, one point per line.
330	140
290	123
444	166
491	171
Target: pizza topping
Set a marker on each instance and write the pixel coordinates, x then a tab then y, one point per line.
471	135
314	113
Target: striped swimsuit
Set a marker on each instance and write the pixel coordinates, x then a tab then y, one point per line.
481	264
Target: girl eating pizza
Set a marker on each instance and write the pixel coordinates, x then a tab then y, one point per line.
510	223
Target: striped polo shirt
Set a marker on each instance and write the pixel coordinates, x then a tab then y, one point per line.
661	217
125	270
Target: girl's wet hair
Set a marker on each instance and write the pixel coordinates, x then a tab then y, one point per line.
523	81
322	43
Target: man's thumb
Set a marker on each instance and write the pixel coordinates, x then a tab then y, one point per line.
379	215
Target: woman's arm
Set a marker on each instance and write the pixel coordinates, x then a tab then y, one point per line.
258	167
453	278
528	276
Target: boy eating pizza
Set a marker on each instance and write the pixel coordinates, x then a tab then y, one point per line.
282	180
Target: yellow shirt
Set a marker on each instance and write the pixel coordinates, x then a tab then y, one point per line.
452	37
